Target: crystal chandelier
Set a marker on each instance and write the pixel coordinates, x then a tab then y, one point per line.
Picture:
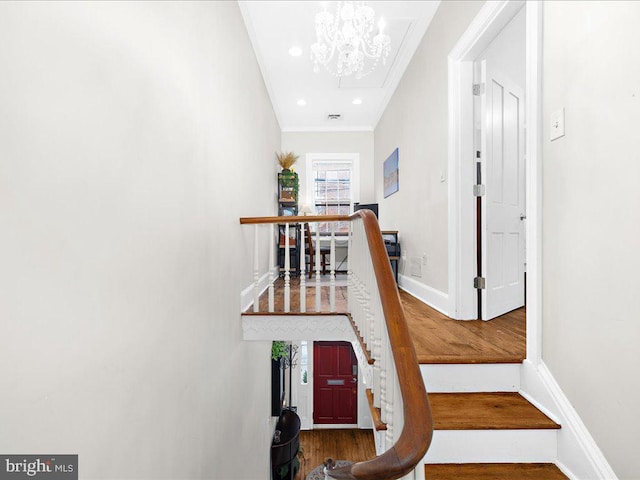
347	37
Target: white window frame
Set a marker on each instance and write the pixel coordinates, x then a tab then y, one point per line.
337	158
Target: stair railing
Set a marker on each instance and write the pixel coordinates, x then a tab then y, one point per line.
378	318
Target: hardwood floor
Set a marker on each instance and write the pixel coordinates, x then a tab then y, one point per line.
352	444
439	339
436	337
341	295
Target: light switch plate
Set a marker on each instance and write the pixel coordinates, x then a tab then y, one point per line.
557	124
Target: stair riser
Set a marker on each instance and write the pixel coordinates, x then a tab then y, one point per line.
492	446
442	378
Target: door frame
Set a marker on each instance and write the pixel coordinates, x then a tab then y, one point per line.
462	225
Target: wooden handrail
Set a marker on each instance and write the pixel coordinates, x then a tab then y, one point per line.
414	441
417	432
294	219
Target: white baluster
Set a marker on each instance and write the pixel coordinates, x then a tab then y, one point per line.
287	268
363	291
376	374
373	303
398	413
318	292
350	252
389	367
383	398
272	276
383	385
332	274
256	271
378	332
366	319
413	474
303	280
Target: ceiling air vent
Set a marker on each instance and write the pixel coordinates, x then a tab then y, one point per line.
334	116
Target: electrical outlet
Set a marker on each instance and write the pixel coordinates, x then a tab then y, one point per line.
416	267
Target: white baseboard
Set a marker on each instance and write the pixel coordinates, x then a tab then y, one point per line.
429	295
579	457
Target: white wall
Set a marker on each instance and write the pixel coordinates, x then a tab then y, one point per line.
130	137
591	223
416	121
302	143
506	52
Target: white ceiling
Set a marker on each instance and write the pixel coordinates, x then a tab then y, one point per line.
275	26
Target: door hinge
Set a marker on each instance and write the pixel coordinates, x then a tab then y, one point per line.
479	283
478	89
478	190
478	155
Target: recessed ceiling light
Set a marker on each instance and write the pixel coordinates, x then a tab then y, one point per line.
357	101
302	102
295	51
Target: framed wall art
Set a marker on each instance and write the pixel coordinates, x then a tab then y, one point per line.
391	183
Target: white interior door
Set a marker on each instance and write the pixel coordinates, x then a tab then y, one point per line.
503	205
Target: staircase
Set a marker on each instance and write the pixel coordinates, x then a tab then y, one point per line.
378	333
484	428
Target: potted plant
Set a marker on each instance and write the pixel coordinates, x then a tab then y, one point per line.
279	351
288	183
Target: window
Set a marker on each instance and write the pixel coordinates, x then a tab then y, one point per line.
332	183
304	363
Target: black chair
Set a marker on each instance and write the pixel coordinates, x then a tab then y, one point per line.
311	251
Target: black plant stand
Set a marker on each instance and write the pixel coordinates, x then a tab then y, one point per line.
285	446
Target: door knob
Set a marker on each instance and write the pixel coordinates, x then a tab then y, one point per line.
522	216
354	380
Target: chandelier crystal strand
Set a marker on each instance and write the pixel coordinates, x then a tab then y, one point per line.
347	37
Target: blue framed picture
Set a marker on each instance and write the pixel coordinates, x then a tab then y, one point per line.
391	183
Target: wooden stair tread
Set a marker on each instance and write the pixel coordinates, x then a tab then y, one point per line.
486	411
493	471
468	358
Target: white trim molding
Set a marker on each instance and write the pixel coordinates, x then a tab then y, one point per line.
429	295
491	19
533	162
253	37
579	457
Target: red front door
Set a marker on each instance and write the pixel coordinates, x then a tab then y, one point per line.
335	383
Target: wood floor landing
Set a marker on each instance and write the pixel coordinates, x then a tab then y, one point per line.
486	411
436	337
439	339
493	471
352	444
341	296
